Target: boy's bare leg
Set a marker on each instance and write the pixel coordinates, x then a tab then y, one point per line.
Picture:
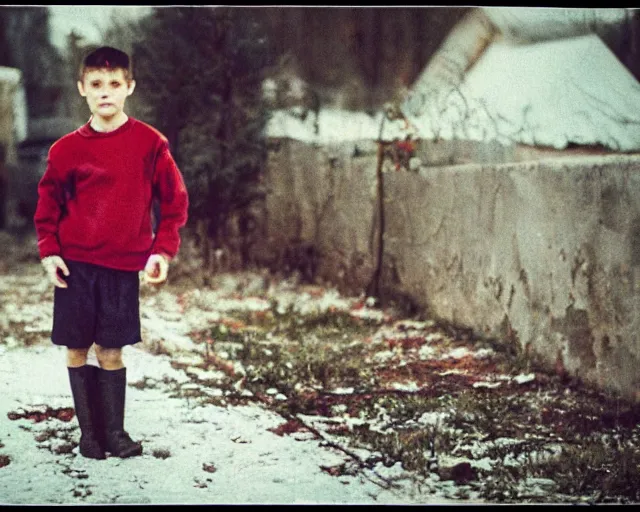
109	358
77	357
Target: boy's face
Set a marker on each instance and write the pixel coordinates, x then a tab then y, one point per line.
106	91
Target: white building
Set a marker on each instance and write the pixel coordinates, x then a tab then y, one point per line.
541	77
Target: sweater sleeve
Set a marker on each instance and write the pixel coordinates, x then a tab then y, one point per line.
48	212
171	193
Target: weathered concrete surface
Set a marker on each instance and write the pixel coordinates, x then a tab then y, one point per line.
544	255
321	210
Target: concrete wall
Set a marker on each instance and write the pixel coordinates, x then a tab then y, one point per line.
321	204
545	254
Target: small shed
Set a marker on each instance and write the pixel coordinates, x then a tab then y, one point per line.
527	82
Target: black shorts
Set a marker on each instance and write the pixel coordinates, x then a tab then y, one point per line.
100	305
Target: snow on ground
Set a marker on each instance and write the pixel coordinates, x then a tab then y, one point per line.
262	390
214	454
194	452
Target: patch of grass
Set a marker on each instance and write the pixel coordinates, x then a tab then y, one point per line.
222	333
161	453
28	339
477	412
592	468
46	435
65	448
501	485
263	320
596	468
291	323
410	407
156	347
307	357
39	414
145	383
310	362
296	326
410	446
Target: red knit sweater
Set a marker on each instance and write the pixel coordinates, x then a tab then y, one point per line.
95	197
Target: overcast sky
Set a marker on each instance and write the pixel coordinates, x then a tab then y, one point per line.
86	20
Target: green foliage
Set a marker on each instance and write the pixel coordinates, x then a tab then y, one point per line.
199	71
309	361
5	49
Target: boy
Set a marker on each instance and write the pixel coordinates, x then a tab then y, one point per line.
94	227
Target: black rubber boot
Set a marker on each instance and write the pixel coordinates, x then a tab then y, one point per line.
96	407
112	385
83	387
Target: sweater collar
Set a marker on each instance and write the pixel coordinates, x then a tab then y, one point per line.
87	131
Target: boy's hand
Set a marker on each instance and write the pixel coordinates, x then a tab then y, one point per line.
51	265
156	269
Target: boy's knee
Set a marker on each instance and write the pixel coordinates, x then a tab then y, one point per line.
77	357
109	358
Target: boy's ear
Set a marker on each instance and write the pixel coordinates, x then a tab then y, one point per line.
81	88
131	87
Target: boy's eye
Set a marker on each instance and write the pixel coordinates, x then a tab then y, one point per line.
95	84
115	84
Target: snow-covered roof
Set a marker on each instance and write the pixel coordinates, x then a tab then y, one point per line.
547	77
333	125
537	24
551	93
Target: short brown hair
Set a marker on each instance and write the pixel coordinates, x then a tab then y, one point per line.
107	57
